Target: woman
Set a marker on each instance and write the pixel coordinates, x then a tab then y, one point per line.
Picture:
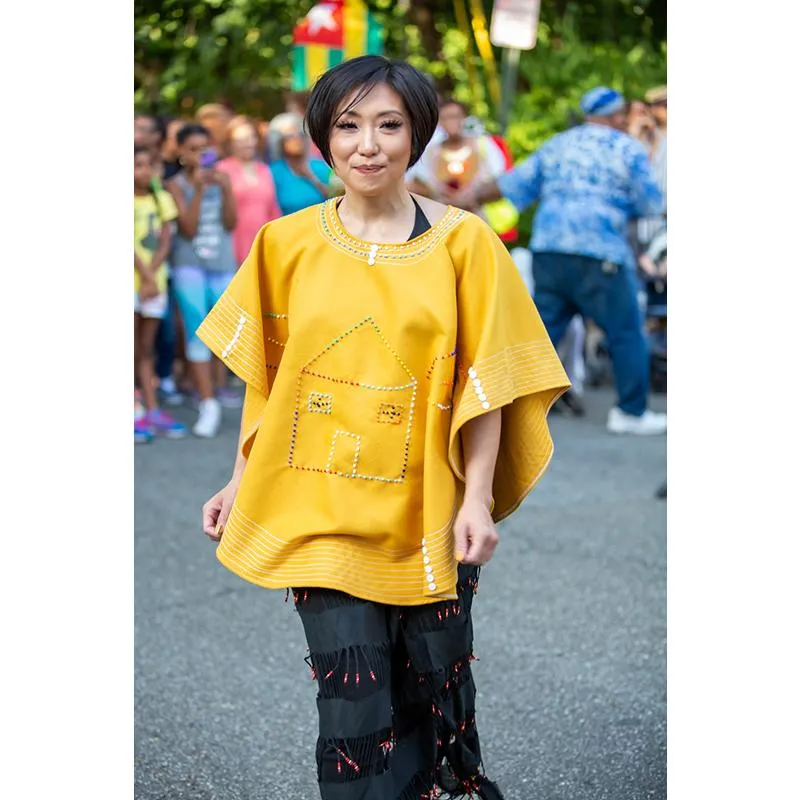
300	181
214	117
382	438
297	103
203	262
253	187
466	155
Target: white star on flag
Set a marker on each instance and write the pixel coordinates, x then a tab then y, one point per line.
321	16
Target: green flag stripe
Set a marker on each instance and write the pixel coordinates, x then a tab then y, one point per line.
299	83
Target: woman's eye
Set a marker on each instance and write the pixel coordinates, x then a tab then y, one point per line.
346	125
392	124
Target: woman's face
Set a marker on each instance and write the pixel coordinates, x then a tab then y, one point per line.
451	118
142	171
216	123
294	144
659	112
244	142
191	149
371	144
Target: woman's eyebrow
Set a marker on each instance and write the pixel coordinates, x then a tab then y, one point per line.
381	114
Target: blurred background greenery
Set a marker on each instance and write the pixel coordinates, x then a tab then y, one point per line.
190	52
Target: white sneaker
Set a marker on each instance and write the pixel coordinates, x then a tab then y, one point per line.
209	419
650	423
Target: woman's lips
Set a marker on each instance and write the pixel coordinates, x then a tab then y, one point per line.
369	170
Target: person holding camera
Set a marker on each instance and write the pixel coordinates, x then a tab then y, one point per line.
203	260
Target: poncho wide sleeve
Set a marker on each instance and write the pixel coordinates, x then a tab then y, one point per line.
248	329
505	360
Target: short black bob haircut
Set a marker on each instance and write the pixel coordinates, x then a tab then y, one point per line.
360	75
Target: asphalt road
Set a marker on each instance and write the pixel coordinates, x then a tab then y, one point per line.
570	627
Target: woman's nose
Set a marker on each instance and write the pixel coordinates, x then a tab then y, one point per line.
368	142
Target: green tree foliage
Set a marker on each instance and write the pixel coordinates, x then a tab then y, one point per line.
189	52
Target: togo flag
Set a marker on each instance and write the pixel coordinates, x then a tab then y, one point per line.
330	33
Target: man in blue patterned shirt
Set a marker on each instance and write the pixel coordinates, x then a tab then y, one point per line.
590	182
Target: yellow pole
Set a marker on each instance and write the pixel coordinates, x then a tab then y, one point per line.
485	49
463	24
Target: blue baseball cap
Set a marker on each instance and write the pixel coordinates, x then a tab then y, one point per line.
602	102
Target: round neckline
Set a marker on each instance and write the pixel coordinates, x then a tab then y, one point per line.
332	210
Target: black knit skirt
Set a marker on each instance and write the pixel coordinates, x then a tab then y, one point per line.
396	697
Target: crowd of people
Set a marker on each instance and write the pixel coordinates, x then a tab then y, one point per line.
596	263
203	188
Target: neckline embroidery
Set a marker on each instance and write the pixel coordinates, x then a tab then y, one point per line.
384	252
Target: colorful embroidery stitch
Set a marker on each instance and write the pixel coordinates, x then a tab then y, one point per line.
386	253
431	368
391	413
320	402
352	473
389	453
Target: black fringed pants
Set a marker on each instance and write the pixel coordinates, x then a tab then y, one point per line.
396	696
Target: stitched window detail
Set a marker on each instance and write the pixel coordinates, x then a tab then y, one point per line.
391	413
320	402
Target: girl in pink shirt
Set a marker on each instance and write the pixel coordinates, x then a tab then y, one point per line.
253	187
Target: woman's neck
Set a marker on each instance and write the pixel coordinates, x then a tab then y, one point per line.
372	209
388	217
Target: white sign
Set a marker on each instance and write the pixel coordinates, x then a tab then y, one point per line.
514	24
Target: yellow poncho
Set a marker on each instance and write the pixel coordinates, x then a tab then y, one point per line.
362	363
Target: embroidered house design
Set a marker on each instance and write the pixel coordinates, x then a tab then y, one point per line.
355	409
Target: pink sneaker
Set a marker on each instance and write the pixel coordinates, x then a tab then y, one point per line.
164	425
141	432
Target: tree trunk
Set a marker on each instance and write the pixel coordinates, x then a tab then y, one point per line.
423	14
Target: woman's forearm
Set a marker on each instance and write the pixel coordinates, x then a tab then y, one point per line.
140	266
163	248
241	460
229	217
189	218
480	440
321	187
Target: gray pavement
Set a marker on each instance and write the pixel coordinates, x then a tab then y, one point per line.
570	632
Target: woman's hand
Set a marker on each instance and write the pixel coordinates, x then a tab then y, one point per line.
201	178
218	178
303	169
217	509
475	534
648	265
